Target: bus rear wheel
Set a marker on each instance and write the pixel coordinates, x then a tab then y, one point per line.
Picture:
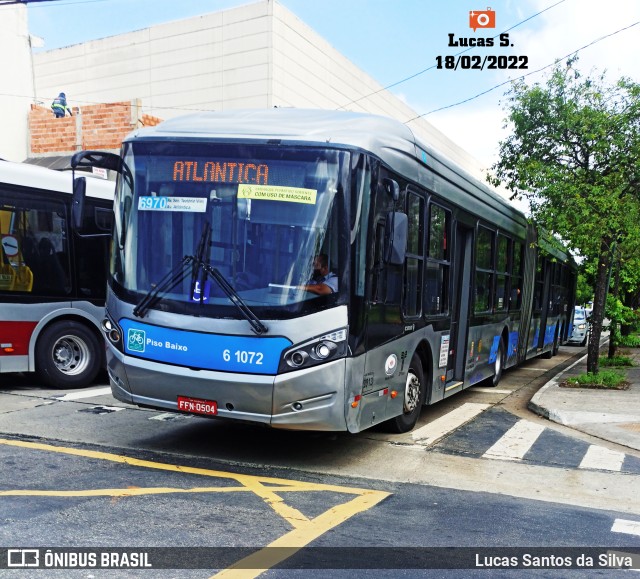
414	395
498	365
68	355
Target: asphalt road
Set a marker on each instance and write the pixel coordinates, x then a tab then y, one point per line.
80	470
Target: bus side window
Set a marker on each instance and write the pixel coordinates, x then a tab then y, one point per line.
436	294
516	277
92	252
387	279
414	260
378	293
539	283
7	273
484	270
41	264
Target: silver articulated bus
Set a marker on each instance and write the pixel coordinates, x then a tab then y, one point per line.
309	269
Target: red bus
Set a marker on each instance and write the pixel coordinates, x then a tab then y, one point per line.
52	280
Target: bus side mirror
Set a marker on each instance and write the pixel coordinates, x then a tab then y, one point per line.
102	160
88	159
395	240
77	201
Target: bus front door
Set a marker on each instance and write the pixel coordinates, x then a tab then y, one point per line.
460	309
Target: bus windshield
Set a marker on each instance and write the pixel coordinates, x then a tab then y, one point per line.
258	215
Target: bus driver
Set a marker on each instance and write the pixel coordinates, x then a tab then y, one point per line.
323	281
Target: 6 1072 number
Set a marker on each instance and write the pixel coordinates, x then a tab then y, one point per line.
243	357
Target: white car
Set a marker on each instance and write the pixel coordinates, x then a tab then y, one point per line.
580	333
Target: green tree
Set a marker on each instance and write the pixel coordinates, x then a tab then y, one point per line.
584	289
574	153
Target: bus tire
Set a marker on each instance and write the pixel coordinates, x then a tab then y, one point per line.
498	365
414	396
68	355
554	349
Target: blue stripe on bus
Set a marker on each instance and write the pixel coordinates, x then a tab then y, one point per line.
243	354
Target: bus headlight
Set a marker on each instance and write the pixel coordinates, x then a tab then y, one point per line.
112	331
324	349
297	358
327	347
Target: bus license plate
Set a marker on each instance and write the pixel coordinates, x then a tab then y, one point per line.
197	406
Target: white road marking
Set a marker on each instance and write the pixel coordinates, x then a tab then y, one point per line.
435	430
625	526
489	390
516	442
85	394
600	458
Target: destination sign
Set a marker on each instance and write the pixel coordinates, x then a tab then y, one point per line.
221	172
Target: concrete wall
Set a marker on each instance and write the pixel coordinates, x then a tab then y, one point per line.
259	55
212	62
16	82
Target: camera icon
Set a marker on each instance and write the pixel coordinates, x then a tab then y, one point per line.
482	19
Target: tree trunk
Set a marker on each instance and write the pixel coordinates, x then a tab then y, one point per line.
614	328
602	278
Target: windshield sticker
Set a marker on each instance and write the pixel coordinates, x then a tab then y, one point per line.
198	294
276	193
188	204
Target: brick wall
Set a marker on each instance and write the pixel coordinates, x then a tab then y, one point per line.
101	126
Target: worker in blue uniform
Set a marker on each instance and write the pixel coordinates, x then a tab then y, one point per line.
59	106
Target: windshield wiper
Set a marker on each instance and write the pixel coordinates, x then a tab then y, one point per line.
179	273
256	324
165	285
198	264
203	265
175	276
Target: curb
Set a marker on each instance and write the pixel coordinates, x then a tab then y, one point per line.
534	404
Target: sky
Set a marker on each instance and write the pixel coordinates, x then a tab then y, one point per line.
398	43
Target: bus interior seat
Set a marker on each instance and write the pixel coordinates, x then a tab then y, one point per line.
54	278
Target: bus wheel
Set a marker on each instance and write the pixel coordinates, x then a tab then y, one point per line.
68	355
414	395
498	365
554	349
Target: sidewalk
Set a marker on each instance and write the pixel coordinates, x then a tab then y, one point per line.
612	415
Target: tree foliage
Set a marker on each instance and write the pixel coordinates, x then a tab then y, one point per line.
574	153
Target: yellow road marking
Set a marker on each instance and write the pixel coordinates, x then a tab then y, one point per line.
304	530
293	541
135	492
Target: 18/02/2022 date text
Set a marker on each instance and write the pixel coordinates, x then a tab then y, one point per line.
490	62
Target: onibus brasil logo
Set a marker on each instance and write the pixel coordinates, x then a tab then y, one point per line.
136	340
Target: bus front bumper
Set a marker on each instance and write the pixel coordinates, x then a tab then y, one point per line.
310	399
